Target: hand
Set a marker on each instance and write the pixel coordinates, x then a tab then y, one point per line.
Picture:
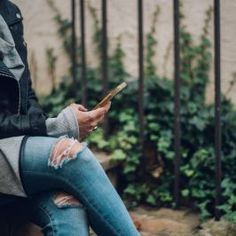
88	120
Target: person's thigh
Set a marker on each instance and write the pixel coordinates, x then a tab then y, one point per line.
9	213
34	171
58	214
80	175
6	200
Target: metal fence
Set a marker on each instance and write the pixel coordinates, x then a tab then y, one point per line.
177	84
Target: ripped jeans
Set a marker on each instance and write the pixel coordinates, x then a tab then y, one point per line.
51	181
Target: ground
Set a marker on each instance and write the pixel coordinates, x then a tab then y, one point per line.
167	222
159	222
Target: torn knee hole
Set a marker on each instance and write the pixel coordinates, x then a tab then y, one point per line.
65	149
65	200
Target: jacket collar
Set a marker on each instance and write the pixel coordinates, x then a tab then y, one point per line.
9	14
4	11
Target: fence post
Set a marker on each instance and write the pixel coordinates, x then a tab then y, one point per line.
177	126
217	107
73	41
141	81
83	55
104	57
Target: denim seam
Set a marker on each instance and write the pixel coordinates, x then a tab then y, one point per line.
24	142
65	181
22	149
100	213
50	218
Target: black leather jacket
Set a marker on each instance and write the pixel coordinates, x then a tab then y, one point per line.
20	112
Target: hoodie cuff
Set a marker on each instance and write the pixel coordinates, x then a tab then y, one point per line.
64	124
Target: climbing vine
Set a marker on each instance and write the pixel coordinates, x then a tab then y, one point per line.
197	121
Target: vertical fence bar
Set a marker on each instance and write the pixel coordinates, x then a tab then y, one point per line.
73	41
83	55
104	56
141	80
177	127
217	106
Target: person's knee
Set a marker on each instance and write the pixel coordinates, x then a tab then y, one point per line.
65	150
59	213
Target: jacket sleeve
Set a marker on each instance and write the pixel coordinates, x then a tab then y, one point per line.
16	125
33	103
65	123
11	122
35	121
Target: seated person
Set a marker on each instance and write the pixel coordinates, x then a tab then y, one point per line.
42	159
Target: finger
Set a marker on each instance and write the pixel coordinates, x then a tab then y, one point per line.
90	127
82	108
101	119
96	114
78	107
107	106
97	121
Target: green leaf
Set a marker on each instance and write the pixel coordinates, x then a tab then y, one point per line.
118	155
185	192
151	200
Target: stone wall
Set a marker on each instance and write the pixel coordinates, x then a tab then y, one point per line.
40	33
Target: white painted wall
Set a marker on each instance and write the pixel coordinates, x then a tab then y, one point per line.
40	33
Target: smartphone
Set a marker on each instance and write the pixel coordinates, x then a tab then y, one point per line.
110	95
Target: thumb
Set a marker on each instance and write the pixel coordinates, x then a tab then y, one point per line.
97	113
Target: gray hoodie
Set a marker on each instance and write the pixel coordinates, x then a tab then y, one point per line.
64	124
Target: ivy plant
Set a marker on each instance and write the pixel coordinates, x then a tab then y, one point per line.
154	186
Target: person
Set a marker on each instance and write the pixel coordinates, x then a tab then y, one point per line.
42	160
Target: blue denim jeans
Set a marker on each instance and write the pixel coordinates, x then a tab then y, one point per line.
83	177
